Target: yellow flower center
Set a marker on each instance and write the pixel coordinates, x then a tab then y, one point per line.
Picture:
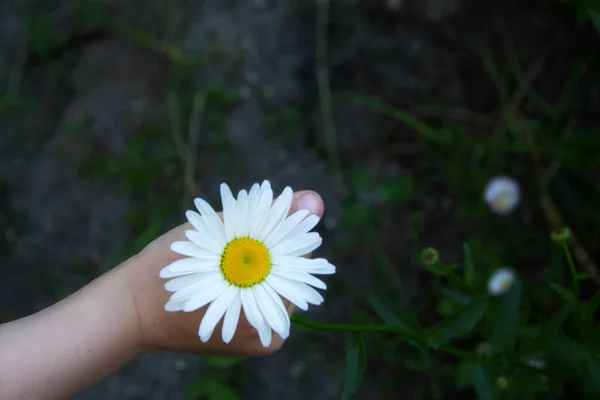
501	204
245	262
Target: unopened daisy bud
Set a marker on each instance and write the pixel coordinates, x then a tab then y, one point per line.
501	382
501	281
430	256
502	194
561	235
484	349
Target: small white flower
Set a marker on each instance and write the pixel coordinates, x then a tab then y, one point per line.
538	363
502	193
246	262
501	281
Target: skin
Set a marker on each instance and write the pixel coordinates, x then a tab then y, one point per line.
86	337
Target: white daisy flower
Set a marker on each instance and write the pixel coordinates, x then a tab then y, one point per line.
501	281
502	194
246	262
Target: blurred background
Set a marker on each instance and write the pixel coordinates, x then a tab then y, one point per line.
114	115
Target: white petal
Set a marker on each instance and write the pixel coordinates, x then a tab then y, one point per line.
283	314
319	267
195	219
212	220
229	211
303	263
173	306
192	250
205	296
255	318
303	227
310	295
253	197
232	317
269	310
285	227
257	215
302	289
203	240
202	225
287	290
297	246
265	334
205	280
299	276
183	281
250	307
215	312
279	210
241	222
188	265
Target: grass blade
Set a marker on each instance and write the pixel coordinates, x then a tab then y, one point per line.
505	326
460	324
356	363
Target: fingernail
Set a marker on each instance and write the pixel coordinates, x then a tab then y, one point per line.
310	202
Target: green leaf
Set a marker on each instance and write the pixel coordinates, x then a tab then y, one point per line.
395	190
218	391
484	389
468	266
360	178
590	306
505	326
527	382
360	215
460	324
595	17
441	269
462	375
570	352
593	379
42	33
223	362
457	296
555	323
563	292
211	389
356	363
582	276
393	316
196	390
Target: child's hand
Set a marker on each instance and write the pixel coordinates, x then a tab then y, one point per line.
178	331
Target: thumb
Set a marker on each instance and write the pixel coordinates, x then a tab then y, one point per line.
307	200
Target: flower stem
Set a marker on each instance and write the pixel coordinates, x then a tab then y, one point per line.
420	340
571	263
